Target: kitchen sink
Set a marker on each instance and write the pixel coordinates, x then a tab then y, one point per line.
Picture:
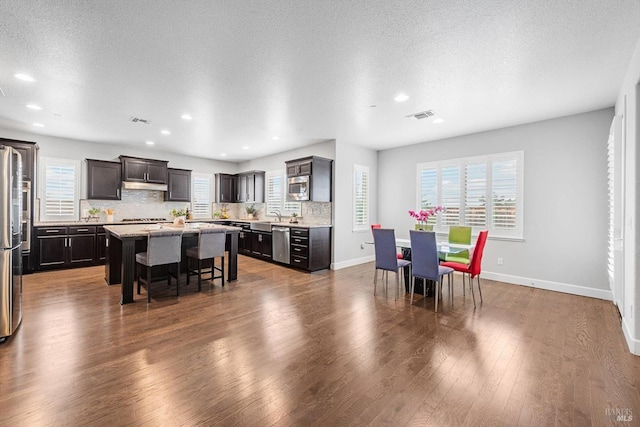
261	225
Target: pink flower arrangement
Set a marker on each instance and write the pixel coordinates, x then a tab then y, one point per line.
423	215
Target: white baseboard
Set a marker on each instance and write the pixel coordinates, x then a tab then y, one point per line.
634	344
550	286
352	262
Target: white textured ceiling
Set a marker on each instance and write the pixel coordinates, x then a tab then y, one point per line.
305	70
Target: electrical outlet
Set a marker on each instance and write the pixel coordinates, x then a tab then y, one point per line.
500	261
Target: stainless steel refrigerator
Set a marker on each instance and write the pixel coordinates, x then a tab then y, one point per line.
10	241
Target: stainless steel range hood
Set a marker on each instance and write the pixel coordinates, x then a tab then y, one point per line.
136	185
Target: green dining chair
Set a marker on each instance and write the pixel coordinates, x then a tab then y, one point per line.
460	235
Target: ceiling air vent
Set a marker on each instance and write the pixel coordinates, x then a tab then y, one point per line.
421	115
139	120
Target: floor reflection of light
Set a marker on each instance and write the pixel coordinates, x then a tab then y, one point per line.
360	327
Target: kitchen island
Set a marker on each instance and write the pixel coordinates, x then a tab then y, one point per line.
124	241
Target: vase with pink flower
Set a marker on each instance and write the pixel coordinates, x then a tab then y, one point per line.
423	215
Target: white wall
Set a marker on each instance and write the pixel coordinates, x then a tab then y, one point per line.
51	146
565	204
347	247
627	106
276	162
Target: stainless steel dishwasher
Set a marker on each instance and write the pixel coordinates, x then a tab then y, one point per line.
280	239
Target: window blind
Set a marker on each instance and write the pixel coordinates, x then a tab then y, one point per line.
60	198
484	192
360	197
201	203
276	195
611	190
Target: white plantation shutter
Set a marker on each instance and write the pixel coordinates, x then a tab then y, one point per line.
450	190
360	197
611	187
484	192
475	195
504	195
276	195
428	185
201	202
59	196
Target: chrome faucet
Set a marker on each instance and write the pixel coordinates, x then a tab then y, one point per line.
277	213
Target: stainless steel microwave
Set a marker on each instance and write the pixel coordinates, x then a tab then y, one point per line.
298	188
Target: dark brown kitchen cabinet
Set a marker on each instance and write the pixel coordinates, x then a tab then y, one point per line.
179	185
244	238
261	243
250	187
225	188
299	167
104	179
65	247
144	170
101	245
320	172
310	248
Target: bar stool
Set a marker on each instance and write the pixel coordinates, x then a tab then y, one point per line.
163	247
211	244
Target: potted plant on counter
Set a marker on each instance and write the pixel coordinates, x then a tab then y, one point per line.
294	218
252	212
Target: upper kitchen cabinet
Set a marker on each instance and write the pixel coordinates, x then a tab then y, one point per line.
300	167
179	185
319	170
104	180
27	151
225	188
135	169
250	187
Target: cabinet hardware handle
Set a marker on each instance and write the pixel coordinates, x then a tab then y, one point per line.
296	260
69	242
53	231
82	229
118	192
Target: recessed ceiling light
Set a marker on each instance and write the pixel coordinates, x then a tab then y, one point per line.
275	138
24	77
38	125
165	132
150	142
34	107
245	148
186	117
223	155
438	121
401	97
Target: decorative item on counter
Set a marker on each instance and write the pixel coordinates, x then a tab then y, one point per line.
216	214
189	214
93	214
179	216
224	214
294	218
423	216
252	211
109	213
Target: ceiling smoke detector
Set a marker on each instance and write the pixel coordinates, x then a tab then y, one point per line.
421	115
139	120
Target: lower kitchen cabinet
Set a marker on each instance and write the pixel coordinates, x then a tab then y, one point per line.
311	248
66	247
261	244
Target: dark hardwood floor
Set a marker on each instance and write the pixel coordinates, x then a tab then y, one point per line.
280	347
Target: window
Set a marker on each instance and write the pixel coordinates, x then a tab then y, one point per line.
201	202
360	197
60	189
482	192
276	198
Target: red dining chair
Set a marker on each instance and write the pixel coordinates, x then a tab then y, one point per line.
474	268
373	227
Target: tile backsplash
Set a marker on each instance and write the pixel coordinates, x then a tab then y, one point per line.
151	204
134	204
